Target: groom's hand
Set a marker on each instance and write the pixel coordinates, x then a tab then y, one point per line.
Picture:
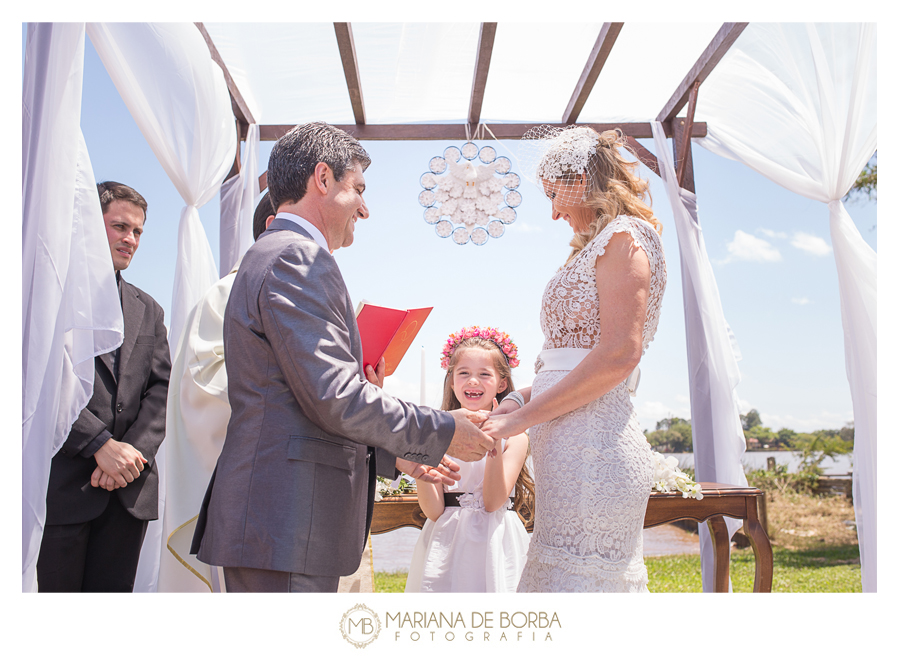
469	443
443	473
376	375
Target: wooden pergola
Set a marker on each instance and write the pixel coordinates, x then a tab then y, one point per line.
680	128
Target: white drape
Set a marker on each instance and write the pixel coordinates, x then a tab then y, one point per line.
712	363
179	100
237	201
197	416
796	102
70	305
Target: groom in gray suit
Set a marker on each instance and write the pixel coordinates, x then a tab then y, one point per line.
289	506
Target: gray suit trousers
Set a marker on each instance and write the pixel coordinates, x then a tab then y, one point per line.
245	579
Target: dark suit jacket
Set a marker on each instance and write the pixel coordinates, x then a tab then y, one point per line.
130	407
293	487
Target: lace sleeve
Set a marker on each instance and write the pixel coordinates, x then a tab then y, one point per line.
645	237
597	247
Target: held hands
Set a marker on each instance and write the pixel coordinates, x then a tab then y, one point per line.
469	443
503	423
376	375
443	473
117	464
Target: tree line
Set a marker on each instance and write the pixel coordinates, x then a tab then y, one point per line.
674	434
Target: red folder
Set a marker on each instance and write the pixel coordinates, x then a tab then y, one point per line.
387	332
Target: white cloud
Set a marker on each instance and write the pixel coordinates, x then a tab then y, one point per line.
750	248
812	244
769	233
527	228
744	406
803	301
651	412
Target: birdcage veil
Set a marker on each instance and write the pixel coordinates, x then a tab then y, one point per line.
558	161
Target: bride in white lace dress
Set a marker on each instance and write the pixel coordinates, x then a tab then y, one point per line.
593	466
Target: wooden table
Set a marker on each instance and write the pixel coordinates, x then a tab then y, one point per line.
719	501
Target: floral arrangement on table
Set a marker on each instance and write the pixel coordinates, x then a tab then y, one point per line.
402	485
500	338
668	477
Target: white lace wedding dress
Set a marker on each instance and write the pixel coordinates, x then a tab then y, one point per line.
593	467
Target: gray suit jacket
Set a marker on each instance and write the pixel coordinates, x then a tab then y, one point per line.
128	404
293	487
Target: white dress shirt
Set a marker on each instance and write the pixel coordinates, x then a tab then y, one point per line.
307	226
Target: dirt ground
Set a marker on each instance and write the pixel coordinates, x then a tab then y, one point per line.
799	522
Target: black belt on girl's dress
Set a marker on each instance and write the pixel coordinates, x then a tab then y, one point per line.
452	499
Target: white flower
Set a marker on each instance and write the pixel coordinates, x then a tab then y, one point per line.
668	477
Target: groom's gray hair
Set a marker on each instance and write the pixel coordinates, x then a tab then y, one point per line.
295	156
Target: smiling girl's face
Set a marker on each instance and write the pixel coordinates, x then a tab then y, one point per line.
475	379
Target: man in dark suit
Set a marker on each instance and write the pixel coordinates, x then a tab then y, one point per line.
290	503
104	482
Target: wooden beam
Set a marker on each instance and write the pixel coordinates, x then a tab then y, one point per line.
264	180
238	106
452	131
599	54
482	65
351	70
725	37
643	154
685	146
679	135
236	165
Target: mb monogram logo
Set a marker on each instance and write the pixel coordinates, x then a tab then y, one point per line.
360	626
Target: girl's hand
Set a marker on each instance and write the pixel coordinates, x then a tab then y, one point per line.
505	407
443	473
503	426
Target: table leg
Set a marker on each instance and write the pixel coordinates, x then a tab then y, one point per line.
722	547
762	551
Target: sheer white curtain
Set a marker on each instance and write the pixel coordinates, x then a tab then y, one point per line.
70	306
712	356
179	100
796	102
237	202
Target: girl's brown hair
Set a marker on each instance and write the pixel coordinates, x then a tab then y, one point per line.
523	499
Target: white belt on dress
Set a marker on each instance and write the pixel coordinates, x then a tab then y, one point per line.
566	358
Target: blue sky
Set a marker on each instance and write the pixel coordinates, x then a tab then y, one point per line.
770	250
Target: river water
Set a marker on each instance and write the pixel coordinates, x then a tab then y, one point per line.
757	459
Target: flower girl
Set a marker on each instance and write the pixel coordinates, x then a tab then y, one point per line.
474	539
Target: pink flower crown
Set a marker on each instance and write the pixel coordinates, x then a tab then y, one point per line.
500	338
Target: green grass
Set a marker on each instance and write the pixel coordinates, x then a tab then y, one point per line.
389	582
827	569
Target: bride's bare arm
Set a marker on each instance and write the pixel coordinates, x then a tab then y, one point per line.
623	285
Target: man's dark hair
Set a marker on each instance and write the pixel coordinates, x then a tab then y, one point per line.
296	154
263	210
110	191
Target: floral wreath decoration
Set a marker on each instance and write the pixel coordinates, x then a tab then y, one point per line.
500	338
467	201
